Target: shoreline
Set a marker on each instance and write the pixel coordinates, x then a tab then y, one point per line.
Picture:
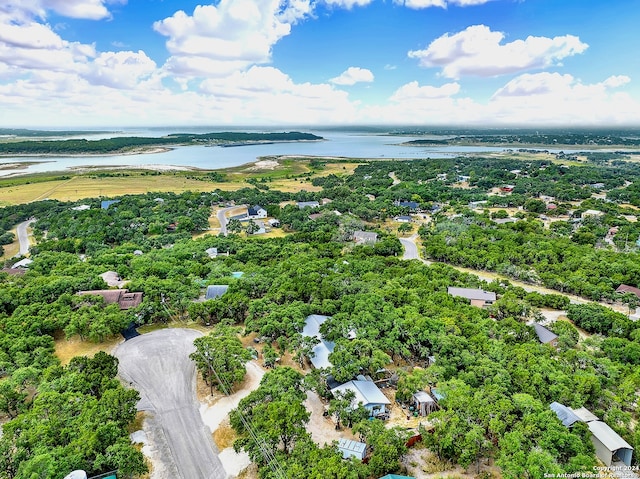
136	151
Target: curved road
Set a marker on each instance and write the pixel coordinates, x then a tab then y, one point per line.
157	364
23	236
222	218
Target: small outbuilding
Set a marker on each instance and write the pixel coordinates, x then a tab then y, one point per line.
367	394
350	448
478	297
424	403
609	446
546	336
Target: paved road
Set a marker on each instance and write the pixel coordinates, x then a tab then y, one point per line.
157	364
222	219
411	249
23	236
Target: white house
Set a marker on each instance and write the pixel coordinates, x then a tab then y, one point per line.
256	211
367	394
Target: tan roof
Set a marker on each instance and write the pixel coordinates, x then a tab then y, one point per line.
623	288
122	297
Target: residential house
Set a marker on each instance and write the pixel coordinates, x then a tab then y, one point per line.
546	336
478	297
308	204
212	252
367	394
350	448
122	297
256	211
412	205
403	219
214	291
463	178
365	237
320	352
592	213
623	288
81	208
609	446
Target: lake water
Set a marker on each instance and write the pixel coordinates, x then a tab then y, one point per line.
348	145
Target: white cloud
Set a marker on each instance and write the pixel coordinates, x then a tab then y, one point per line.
348	4
218	39
414	92
353	75
419	4
85	9
120	69
479	51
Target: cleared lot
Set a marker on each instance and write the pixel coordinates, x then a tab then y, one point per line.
157	364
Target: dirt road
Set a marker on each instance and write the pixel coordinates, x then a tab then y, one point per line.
157	364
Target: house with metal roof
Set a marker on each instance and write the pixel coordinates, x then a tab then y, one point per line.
214	291
122	297
367	394
478	297
545	336
565	414
321	351
308	204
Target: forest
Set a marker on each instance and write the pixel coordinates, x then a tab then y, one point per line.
496	378
123	144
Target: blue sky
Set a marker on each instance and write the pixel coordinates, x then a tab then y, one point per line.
118	63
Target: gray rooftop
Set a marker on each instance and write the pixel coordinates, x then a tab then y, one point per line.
353	446
321	351
366	392
608	436
471	293
216	290
544	335
585	415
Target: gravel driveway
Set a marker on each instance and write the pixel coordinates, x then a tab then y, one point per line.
157	364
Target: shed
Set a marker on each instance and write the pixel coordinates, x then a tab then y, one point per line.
609	446
216	290
424	403
321	351
585	415
274	222
367	394
212	252
545	336
350	448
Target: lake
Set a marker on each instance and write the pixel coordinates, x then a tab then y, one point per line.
348	145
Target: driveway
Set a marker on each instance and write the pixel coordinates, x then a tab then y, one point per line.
222	219
23	236
157	365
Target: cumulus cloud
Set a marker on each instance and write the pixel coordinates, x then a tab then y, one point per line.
479	51
413	91
85	9
353	75
120	69
218	39
419	4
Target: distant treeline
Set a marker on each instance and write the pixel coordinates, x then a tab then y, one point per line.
114	145
551	139
40	133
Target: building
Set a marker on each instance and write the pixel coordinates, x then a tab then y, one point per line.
256	211
396	476
308	204
212	252
478	297
507	188
424	403
81	208
320	352
412	205
367	394
105	204
623	288
609	446
403	219
22	264
274	222
214	291
592	213
365	237
545	336
350	448
122	297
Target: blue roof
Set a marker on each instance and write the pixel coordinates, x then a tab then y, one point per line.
106	203
565	414
396	476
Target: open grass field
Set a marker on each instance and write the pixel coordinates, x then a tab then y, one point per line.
286	174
